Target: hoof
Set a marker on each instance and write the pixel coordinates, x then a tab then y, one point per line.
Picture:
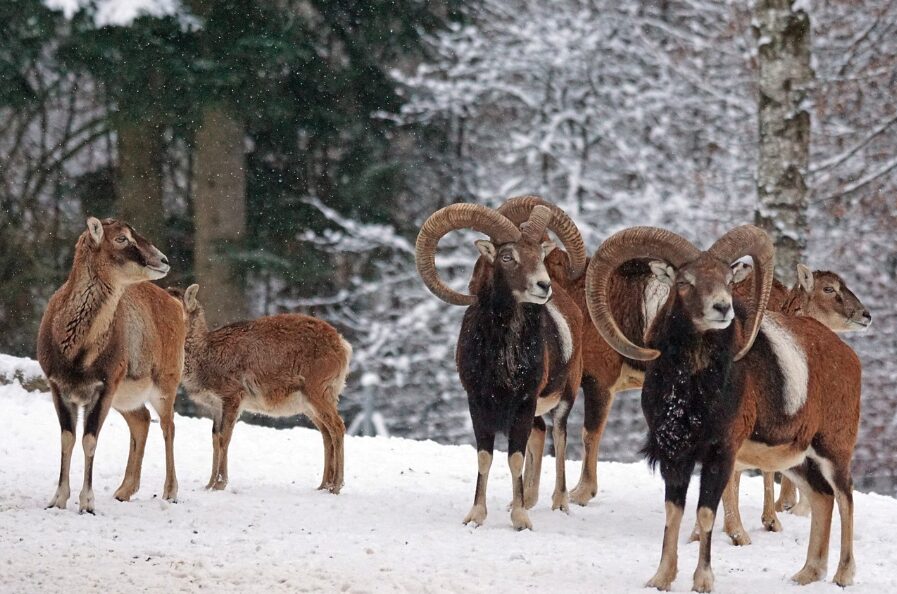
476	516
520	519
59	501
740	538
772	524
85	503
561	501
124	493
703	581
844	576
662	581
808	575
582	494
170	492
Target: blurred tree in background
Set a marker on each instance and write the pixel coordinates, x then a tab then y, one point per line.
283	153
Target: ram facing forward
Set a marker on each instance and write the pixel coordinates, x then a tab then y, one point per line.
730	392
519	352
635	297
278	366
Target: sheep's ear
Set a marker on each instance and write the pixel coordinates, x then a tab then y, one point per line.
487	248
95	228
741	270
805	278
190	297
663	272
548	247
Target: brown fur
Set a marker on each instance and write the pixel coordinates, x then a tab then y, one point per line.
605	371
827	299
109	340
813	446
277	366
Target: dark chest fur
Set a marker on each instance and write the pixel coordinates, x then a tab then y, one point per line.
690	395
503	351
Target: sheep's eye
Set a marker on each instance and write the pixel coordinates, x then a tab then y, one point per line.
121	239
829	289
507	258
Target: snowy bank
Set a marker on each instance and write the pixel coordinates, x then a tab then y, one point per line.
396	526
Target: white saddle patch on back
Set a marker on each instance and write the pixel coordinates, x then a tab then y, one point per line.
563	331
792	361
655	295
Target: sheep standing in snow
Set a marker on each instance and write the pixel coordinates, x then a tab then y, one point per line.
519	352
733	389
277	366
108	339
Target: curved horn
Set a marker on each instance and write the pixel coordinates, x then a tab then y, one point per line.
748	240
636	242
518	209
534	228
453	217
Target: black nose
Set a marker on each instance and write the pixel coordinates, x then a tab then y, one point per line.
544	285
722	307
867	315
165	260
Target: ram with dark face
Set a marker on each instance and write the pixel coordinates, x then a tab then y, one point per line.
732	387
519	351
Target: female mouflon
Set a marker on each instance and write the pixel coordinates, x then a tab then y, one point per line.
108	339
277	366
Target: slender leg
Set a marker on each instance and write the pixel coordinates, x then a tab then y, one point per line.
335	430
327	477
769	519
535	449
216	450
518	435
93	422
669	558
164	405
732	524
598	400
229	415
67	415
485	446
138	423
560	499
847	563
716	473
787	495
808	478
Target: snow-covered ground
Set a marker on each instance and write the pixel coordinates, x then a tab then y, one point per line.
395	527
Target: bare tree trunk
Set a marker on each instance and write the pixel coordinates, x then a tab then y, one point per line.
783	44
219	205
140	154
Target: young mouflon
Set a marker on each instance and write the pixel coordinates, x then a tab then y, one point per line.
278	366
